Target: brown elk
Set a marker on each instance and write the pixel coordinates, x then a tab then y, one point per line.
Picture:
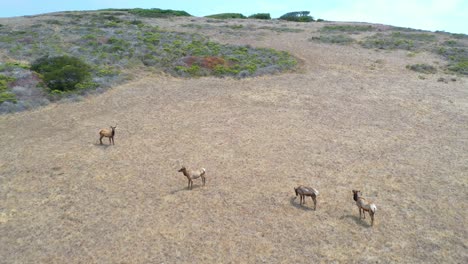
304	191
364	205
193	174
110	133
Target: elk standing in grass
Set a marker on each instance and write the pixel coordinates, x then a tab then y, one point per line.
110	133
365	206
304	191
193	174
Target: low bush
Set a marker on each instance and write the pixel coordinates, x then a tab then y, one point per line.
283	29
387	42
347	28
460	67
422	68
157	13
227	16
301	16
333	39
5	94
265	16
62	73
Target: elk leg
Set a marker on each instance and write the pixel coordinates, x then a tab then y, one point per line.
360	216
100	139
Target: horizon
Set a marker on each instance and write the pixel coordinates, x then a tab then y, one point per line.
434	15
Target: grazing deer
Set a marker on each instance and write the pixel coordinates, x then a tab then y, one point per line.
365	206
193	174
110	133
303	191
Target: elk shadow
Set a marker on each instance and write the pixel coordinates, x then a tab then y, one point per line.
186	189
358	221
104	146
293	202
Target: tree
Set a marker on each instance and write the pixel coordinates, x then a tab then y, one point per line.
300	16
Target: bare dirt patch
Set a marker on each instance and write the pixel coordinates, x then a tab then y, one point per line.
339	124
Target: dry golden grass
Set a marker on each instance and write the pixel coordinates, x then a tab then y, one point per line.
338	124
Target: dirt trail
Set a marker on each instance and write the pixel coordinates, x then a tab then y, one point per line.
344	121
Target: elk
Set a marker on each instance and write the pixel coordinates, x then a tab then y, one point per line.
110	133
193	174
364	205
303	191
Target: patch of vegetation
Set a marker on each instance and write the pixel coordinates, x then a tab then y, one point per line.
265	16
300	16
422	68
223	60
196	26
235	26
109	44
63	73
334	39
9	65
459	36
347	28
388	42
227	16
5	94
157	13
398	40
282	29
53	22
457	55
422	37
453	53
405	29
460	67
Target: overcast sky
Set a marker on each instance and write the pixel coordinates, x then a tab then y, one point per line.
446	15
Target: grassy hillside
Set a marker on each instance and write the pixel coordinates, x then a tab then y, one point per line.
116	43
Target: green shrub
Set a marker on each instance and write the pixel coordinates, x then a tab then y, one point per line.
227	16
265	16
157	13
346	28
301	16
282	29
8	97
422	37
5	94
422	68
387	42
62	73
334	39
460	67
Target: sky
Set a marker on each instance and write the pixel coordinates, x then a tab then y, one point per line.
444	15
